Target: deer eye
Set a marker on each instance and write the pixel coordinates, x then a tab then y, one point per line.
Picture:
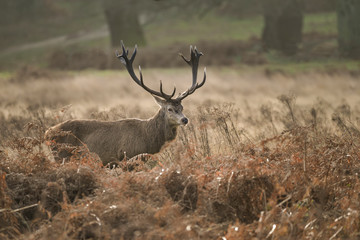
170	110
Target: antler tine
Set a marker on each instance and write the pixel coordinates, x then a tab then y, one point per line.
128	64
168	97
194	63
182	56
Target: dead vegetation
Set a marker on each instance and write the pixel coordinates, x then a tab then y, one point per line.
282	171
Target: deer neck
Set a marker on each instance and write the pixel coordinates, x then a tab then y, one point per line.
160	128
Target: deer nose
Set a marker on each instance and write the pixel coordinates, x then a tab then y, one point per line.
184	121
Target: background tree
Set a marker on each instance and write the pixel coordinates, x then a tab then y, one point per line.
348	15
123	21
283	22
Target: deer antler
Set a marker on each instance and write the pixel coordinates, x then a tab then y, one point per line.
128	64
194	63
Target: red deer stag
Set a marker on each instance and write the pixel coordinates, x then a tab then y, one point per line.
115	140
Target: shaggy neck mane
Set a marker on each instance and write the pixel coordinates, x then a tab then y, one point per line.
160	130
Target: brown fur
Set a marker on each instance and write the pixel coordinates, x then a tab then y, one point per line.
113	140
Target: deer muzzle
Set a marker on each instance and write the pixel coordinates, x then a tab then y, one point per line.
184	121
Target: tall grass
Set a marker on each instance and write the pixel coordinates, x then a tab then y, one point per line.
269	164
215	180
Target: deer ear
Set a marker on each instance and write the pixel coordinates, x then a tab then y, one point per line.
159	101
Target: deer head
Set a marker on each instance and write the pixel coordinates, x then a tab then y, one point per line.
170	105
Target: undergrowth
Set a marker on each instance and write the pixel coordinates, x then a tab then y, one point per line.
295	177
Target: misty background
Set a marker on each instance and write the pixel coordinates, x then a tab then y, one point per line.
82	34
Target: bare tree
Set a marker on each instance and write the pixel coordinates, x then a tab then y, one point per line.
122	17
283	22
113	141
348	13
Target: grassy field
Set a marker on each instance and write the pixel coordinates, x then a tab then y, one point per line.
263	156
271	150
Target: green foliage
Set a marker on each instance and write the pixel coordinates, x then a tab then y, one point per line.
292	66
321	23
222	28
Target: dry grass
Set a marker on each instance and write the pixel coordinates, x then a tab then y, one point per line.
263	157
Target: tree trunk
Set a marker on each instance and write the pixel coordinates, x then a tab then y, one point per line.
283	22
123	22
348	15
